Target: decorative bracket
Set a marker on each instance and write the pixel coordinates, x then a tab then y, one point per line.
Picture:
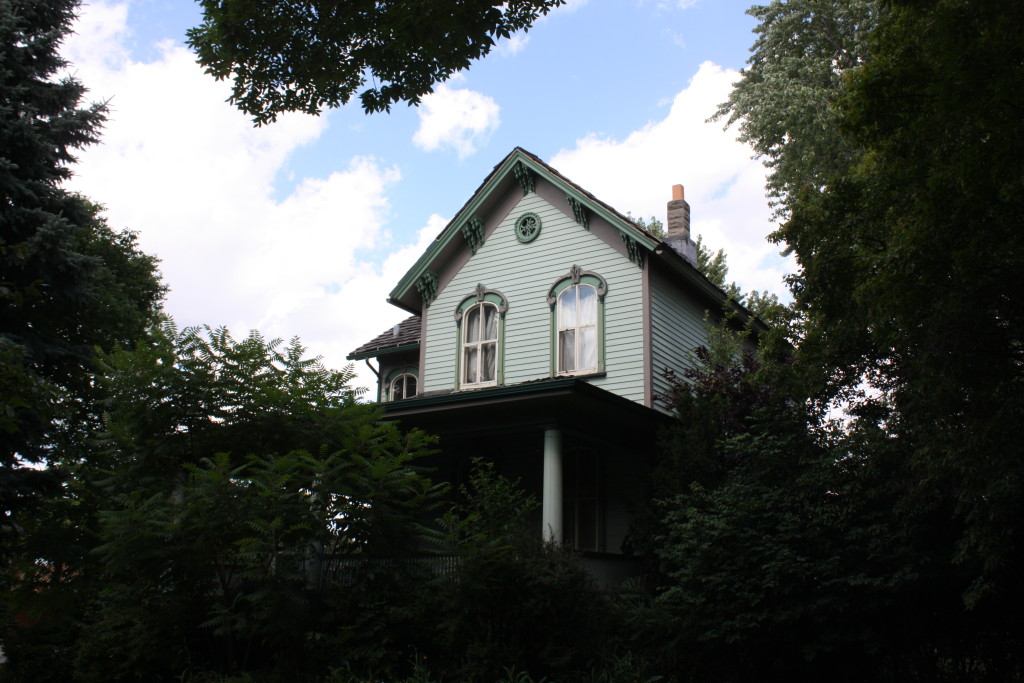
636	255
579	211
473	231
525	176
427	287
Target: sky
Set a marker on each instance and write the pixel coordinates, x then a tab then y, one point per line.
303	227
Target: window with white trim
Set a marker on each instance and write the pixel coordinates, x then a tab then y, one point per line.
480	354
577	323
577	329
403	386
480	345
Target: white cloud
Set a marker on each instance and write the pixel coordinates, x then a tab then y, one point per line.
196	180
458	118
724	186
512	46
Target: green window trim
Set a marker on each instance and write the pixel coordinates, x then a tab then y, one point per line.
481	295
528	227
395	374
576	276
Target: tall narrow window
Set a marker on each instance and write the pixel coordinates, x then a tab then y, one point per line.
577	329
480	345
582	500
577	323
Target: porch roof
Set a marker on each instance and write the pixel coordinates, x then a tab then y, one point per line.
570	403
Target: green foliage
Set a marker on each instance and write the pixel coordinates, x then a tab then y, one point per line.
234	476
491	515
900	294
653	226
784	100
521	607
285	56
903	508
68	285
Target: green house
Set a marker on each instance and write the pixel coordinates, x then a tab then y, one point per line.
542	326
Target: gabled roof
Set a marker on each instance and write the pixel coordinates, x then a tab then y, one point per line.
513	170
405	336
521	168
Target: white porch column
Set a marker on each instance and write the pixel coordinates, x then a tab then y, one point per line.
551	511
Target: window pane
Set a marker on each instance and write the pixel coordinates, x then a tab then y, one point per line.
588	347
568	523
488	363
490	322
567	308
471	365
567	351
586	529
396	390
473	325
588	305
410	386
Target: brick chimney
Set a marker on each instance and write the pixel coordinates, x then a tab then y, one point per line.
677	226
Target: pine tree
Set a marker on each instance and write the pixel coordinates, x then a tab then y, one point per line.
68	283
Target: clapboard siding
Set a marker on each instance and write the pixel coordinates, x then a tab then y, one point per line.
524	273
677	327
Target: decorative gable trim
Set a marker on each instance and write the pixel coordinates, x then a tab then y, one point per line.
636	255
527	180
522	169
427	287
579	211
473	231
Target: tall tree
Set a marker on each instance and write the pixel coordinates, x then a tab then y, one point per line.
901	204
784	100
912	263
287	56
68	283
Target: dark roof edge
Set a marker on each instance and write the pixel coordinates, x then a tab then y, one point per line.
385	351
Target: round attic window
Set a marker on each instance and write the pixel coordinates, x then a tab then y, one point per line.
527	227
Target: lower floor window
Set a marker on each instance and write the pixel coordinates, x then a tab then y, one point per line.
403	386
582	509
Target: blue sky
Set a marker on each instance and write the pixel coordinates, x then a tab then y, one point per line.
302	227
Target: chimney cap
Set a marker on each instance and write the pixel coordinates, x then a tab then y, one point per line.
677	192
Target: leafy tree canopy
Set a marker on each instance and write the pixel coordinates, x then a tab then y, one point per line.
287	56
235	480
784	100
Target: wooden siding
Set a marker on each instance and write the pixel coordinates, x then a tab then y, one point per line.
677	327
523	273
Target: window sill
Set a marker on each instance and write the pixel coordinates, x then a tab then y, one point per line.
583	375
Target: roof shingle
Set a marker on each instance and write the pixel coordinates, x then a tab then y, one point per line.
405	336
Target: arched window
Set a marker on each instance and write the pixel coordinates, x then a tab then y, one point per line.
480	318
577	329
403	386
480	345
577	323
